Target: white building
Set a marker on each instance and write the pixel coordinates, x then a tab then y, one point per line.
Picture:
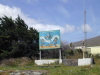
79	47
94	50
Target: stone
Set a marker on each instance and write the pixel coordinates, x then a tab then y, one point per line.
29	72
70	62
1	71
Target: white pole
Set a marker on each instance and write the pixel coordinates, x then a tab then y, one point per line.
60	60
85	34
40	54
83	52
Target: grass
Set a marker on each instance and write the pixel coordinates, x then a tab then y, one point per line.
60	70
56	69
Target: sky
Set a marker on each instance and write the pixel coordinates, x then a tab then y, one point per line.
64	15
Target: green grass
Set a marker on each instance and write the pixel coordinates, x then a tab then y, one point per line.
57	69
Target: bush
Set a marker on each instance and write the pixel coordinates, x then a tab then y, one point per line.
97	56
24	61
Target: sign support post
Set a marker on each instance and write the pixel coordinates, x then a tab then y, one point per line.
40	54
49	40
60	60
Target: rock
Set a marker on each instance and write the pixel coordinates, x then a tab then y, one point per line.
30	72
15	73
37	73
1	71
70	62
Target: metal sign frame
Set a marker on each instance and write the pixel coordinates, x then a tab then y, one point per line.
47	32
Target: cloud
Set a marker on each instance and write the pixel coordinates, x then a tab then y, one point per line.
31	22
86	28
14	12
46	27
66	29
69	28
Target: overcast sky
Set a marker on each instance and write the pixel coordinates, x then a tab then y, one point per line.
66	15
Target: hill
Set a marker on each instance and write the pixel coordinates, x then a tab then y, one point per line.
95	41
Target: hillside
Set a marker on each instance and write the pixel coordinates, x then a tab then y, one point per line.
95	41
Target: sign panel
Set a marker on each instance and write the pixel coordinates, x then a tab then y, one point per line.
49	39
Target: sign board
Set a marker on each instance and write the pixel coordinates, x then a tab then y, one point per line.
49	39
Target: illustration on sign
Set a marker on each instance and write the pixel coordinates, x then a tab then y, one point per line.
49	39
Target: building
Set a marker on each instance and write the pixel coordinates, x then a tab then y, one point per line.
94	50
78	47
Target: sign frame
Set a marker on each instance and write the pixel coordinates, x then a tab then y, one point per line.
50	48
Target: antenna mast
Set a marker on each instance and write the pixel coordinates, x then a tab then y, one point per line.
85	34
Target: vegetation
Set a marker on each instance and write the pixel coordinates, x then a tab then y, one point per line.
19	43
16	39
51	69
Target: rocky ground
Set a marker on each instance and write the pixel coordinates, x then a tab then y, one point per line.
23	72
